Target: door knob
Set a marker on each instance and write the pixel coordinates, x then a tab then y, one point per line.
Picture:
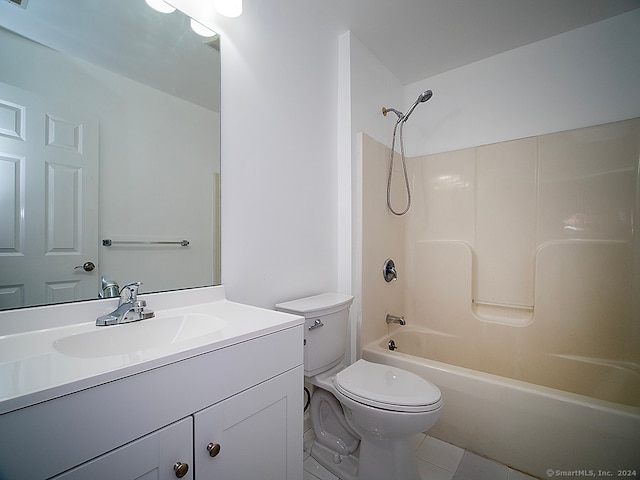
87	266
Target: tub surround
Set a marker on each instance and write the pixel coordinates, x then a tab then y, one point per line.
518	262
522	252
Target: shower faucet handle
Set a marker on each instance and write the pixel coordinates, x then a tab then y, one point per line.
389	270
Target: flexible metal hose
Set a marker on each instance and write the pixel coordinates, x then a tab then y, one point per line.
404	167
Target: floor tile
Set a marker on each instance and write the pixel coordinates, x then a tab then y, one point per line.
440	453
475	467
417	440
429	471
308	476
310	465
515	475
437	460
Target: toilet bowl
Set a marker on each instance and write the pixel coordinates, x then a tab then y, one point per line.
364	415
330	426
384	407
335	444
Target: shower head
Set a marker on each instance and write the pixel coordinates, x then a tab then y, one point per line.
403	117
423	97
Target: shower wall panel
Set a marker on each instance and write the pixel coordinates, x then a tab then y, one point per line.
383	237
505	225
523	254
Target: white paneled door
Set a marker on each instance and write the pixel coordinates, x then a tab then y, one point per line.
48	200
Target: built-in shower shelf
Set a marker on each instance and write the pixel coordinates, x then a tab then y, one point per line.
518	315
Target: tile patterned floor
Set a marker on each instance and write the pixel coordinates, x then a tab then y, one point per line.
437	460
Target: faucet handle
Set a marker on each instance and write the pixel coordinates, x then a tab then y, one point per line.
129	292
138	305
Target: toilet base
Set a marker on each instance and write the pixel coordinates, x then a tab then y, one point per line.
386	449
343	467
385	459
374	460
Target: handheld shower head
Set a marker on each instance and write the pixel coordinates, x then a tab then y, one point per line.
402	117
423	97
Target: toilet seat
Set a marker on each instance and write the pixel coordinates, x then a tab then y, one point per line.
387	388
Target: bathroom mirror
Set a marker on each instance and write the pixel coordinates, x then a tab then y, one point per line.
109	150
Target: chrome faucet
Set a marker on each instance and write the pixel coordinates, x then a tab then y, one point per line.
395	319
130	309
110	288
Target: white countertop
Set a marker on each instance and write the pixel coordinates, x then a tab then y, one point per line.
40	363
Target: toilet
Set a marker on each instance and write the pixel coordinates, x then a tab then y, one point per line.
364	415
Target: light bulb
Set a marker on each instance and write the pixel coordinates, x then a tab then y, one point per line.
161	6
229	8
201	29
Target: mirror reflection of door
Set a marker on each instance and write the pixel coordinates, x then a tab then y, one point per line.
48	199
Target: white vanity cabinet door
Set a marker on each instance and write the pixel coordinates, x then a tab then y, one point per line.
150	457
258	432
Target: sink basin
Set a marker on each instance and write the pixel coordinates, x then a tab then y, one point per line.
139	336
48	353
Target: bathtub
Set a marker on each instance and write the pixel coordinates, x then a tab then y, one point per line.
542	431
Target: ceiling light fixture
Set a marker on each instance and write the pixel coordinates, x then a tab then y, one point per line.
161	6
228	8
201	29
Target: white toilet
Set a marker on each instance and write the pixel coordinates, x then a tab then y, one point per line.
364	415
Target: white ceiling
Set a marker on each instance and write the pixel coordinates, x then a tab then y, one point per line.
126	37
416	39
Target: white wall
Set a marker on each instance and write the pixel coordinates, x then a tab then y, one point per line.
282	208
372	86
584	77
279	147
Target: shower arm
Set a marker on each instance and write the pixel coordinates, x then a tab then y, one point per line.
403	117
386	110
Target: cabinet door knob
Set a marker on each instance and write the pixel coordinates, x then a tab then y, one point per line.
181	469
213	449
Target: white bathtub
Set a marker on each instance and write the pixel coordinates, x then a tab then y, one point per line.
538	430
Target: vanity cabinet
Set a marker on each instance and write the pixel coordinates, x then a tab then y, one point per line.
231	413
249	435
151	457
244	437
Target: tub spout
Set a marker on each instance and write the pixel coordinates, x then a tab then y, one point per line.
395	319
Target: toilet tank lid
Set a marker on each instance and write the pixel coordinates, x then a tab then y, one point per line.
322	304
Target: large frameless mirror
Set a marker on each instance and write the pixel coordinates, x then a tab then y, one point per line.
109	151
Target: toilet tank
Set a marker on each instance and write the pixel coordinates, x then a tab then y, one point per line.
325	329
